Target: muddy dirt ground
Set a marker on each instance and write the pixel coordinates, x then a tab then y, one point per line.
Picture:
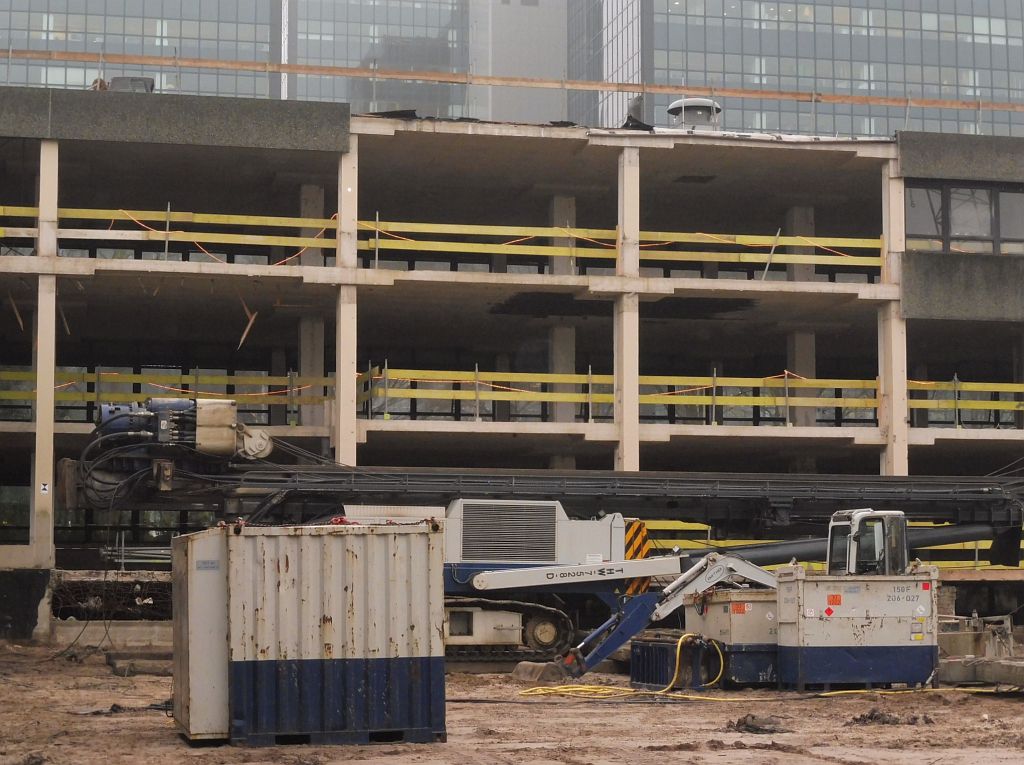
45	719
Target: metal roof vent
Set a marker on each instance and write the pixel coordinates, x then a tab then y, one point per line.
695	113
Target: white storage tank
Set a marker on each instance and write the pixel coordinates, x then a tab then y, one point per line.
318	634
858	630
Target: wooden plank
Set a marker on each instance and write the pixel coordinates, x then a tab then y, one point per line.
87	396
552	232
758	382
761	241
15	211
489	395
538	250
434	375
259	240
759	258
461	78
776	401
12	232
1002	406
161	216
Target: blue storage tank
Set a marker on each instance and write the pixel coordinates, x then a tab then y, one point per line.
652	661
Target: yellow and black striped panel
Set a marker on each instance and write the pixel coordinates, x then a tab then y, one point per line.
638	545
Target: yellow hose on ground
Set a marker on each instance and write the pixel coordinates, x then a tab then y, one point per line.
602	692
599	692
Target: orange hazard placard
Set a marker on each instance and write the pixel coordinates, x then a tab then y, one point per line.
739	608
835	599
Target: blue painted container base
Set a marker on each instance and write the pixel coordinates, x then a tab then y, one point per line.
856	665
337	701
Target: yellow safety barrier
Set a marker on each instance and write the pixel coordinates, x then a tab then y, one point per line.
139	229
284	390
14	211
775	391
19	231
389	236
377	383
453	239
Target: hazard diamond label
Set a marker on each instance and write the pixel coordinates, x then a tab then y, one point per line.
829	612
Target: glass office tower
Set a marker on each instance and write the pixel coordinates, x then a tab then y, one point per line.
970	50
524	37
964	49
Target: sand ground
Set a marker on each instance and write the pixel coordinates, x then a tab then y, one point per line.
45	720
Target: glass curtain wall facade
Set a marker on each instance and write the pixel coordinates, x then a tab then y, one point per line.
229	30
427	35
385	34
969	50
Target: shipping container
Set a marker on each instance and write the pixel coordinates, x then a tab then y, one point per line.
318	634
857	630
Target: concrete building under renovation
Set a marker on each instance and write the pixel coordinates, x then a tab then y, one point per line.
450	294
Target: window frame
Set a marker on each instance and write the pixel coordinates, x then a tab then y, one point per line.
945	187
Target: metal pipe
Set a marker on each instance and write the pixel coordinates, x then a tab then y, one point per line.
775	553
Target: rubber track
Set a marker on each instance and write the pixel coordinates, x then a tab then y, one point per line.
504	653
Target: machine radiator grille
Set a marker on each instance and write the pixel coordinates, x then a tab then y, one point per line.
509	532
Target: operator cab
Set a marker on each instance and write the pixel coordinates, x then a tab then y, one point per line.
868	542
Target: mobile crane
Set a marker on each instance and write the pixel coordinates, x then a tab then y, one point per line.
172	453
862	544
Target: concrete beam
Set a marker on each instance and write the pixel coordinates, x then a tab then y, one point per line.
345	424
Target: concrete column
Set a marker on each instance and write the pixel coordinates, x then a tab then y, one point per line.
893	419
343	428
626	321
311	330
348	206
919	417
627	375
1018	377
800	345
562	339
892	389
628	262
502	409
311	205
801	359
278	368
562	361
894	237
46	243
799	222
563	214
44	362
311	364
